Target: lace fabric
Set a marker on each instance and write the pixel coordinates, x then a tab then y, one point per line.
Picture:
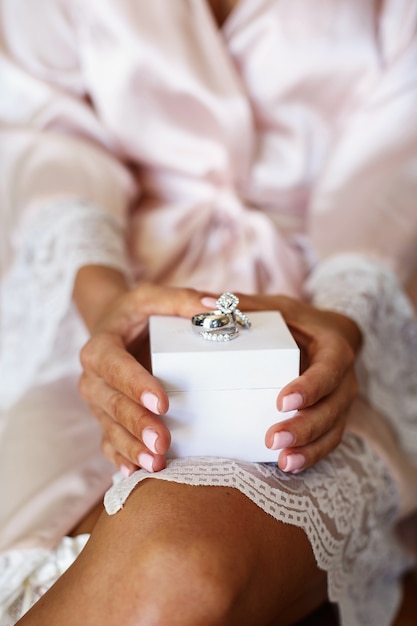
37	289
370	294
25	575
346	504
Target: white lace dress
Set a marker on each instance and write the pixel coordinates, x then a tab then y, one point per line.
220	169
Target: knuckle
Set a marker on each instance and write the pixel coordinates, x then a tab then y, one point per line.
106	448
87	356
118	377
111	456
336	374
100	416
112	431
132	385
135	427
112	374
308	432
117	406
133	451
114	446
129	448
84	387
311	431
125	416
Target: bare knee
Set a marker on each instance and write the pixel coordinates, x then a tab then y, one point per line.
183	585
177	561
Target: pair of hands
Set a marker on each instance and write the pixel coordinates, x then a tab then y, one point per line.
127	400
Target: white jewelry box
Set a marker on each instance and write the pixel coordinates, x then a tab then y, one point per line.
222	395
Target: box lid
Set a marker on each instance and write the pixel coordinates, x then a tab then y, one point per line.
264	356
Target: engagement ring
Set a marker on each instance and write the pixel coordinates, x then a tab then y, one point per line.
221	325
227	303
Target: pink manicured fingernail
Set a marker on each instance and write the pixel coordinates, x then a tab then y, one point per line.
149	437
150	401
125	471
210	303
282	440
294	462
146	461
292	402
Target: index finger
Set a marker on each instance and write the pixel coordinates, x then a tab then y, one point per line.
156	300
106	355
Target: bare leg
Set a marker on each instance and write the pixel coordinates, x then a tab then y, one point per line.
186	556
87	523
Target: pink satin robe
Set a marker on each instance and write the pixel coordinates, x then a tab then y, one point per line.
240	131
237	156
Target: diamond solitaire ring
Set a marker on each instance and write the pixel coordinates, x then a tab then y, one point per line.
227	303
221	325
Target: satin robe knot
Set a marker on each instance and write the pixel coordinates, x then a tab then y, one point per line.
228	209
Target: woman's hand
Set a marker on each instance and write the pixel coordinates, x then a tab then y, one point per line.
121	392
127	399
326	388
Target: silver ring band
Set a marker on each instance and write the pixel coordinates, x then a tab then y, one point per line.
213	320
222	324
242	318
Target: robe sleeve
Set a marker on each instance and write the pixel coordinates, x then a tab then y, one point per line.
64	189
52	144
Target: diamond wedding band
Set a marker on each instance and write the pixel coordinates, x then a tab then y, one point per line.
224	336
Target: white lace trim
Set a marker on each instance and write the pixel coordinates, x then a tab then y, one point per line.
371	295
25	575
346	504
35	294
